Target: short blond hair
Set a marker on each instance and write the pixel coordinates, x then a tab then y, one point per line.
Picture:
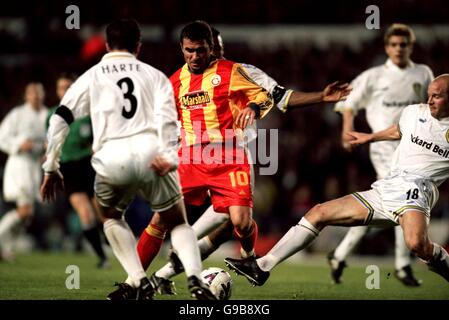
399	29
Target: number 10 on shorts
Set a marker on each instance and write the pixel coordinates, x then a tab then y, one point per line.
238	178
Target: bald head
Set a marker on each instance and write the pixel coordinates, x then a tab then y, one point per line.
438	93
444	80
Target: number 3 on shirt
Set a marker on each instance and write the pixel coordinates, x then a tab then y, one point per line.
128	95
239	178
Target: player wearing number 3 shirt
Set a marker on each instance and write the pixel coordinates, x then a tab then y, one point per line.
135	144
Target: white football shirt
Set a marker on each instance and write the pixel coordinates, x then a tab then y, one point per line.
424	146
384	91
124	97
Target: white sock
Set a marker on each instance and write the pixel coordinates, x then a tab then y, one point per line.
351	239
9	221
184	243
208	221
402	253
166	271
205	247
296	239
123	244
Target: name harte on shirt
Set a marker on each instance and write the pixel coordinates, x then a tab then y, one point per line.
122	67
430	146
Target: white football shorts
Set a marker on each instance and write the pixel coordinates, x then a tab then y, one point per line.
391	197
122	169
22	179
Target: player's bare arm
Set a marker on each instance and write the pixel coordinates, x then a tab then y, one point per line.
348	126
333	92
336	91
53	182
391	133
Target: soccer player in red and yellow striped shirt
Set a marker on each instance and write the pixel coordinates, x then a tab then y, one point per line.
213	98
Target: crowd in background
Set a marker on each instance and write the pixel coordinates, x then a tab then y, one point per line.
313	167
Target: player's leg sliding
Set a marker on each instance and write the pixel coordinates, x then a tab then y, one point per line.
123	245
336	258
257	271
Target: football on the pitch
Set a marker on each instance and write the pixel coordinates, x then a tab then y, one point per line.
219	281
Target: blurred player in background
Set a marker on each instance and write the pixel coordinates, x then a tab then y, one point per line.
404	197
22	137
78	173
383	91
214	228
135	150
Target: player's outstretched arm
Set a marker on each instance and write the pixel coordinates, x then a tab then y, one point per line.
333	92
358	138
336	91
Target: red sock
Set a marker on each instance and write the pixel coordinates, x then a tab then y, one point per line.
248	241
149	244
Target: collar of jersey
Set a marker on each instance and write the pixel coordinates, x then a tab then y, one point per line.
111	55
390	64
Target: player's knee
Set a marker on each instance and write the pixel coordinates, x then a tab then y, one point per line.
416	244
243	226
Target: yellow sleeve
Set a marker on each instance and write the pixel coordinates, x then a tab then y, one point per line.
245	92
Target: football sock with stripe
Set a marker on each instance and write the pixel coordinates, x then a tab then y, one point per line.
296	239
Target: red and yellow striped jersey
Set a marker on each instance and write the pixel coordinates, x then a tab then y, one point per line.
208	103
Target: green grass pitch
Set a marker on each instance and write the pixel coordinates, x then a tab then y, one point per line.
42	276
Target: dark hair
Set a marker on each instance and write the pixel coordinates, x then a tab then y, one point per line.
67	75
215	32
399	29
197	31
123	34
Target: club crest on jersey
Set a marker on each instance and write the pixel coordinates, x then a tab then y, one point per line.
195	100
447	136
417	88
215	80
